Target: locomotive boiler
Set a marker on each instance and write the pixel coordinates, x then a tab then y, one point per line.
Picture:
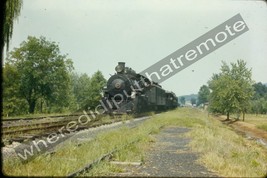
129	92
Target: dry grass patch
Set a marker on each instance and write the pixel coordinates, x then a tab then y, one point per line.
260	121
226	152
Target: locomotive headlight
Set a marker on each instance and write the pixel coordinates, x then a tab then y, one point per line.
119	68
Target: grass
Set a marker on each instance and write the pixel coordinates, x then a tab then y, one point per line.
227	153
260	120
263	127
222	150
132	153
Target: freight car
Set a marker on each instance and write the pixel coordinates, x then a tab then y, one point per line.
129	92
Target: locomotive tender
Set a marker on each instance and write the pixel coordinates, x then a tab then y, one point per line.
129	92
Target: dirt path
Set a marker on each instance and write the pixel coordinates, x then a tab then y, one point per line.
249	129
170	156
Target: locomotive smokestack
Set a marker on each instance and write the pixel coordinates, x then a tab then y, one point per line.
122	64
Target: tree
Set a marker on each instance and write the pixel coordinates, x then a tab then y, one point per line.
182	100
44	72
12	11
259	101
259	106
203	94
96	85
87	91
231	89
81	89
260	90
12	102
193	101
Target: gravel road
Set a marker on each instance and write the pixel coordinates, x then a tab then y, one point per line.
170	157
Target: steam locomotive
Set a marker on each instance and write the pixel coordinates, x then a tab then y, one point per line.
129	92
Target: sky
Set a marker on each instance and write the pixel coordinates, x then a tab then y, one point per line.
97	34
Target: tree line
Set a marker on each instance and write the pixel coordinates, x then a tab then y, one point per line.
37	78
233	91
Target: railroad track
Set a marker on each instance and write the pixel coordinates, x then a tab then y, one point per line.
16	127
26	132
36	118
105	156
11	120
74	139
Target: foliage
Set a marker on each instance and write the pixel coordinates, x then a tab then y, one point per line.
97	83
193	101
259	106
12	102
87	90
260	90
81	88
231	89
43	73
259	101
13	8
182	100
37	78
203	94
